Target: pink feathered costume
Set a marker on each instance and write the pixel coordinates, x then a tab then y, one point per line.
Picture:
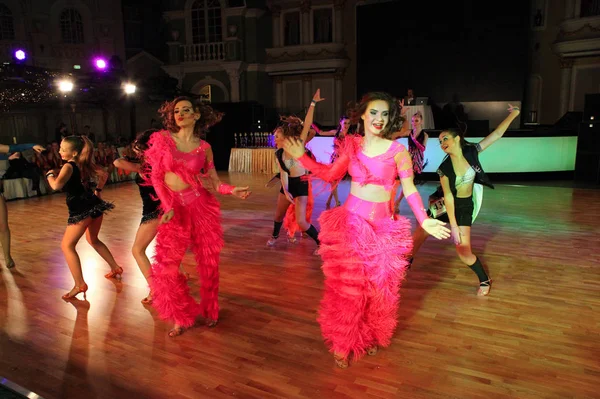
196	224
364	248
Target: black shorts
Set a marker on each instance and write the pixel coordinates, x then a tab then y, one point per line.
463	211
297	187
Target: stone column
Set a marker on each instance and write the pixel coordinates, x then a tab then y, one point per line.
278	93
339	97
566	66
577	9
276	14
234	82
338	18
306	89
569	9
174	52
305	22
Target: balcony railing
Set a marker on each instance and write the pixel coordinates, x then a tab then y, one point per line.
590	8
204	52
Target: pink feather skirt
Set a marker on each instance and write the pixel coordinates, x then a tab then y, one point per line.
365	251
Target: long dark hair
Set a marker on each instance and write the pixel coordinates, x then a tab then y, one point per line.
454	132
208	116
140	144
395	118
84	158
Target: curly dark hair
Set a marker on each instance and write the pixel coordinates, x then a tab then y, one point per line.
395	118
291	126
208	116
140	143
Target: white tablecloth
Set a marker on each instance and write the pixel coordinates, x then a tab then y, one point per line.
253	160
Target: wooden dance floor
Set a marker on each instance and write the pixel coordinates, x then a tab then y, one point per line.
536	336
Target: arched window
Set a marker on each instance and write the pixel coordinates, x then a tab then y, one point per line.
206	21
7	28
71	26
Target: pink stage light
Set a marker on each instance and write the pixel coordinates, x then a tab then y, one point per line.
100	63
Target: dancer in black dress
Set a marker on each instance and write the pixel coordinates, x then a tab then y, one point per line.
86	207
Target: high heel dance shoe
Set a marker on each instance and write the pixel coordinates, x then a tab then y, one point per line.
78	290
115	273
340	361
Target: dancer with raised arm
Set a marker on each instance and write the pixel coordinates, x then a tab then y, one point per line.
461	178
180	159
293	200
364	246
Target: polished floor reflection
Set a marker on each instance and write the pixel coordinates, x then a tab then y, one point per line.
536	335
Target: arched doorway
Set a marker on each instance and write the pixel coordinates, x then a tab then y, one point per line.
215	90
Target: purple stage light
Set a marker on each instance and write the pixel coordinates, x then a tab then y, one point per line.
100	63
20	55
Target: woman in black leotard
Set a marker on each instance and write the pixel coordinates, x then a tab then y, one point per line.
86	207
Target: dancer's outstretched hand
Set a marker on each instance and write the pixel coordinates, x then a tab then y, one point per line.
166	217
512	108
317	97
435	228
39	149
294	147
241	192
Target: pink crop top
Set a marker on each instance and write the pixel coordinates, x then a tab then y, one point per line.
379	170
194	160
163	156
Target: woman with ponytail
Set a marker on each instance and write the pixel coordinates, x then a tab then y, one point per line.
86	207
462	179
295	201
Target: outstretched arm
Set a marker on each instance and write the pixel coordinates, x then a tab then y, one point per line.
220	187
8	149
124	164
308	120
501	129
324	132
329	173
405	172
